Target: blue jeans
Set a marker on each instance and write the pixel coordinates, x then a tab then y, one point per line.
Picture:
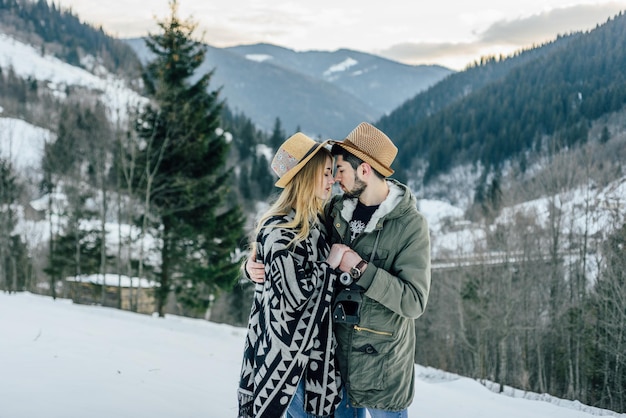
345	410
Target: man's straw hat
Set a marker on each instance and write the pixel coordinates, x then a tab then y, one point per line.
372	146
292	155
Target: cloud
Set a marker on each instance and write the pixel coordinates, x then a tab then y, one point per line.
429	51
505	35
546	25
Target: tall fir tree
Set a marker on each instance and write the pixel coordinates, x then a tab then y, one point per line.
185	178
278	135
13	254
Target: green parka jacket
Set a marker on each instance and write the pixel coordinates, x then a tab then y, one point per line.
376	356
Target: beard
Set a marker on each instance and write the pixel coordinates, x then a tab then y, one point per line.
357	190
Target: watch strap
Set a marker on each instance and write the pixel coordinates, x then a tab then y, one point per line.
356	271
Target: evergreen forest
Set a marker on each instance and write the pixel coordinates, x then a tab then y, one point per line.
501	108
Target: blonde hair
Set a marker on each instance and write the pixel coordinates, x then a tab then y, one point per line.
299	195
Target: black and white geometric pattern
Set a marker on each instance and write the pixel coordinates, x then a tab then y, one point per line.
290	328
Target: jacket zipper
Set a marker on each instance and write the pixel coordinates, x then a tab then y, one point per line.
373	331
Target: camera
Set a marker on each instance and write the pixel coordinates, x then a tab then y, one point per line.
347	300
345	279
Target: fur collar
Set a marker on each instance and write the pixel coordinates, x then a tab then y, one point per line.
396	193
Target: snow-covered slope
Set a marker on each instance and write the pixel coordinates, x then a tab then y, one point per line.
59	359
26	61
22	143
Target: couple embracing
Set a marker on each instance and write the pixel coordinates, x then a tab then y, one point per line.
339	281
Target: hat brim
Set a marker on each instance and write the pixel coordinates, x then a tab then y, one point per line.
286	178
385	171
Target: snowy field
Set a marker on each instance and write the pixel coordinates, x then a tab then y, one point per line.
63	360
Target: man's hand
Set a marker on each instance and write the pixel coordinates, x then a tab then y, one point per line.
255	270
349	260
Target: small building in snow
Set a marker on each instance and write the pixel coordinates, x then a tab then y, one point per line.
113	290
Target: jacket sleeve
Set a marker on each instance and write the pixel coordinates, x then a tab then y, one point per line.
405	288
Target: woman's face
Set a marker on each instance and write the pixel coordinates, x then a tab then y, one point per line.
326	181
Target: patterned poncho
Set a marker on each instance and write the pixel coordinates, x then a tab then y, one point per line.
290	328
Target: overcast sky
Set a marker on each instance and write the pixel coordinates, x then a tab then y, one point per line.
453	33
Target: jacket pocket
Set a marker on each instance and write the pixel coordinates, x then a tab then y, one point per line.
380	258
371	349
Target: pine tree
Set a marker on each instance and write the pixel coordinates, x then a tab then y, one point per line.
278	135
10	244
185	179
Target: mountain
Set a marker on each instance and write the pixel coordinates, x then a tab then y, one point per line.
378	82
458	86
48	58
547	97
325	94
60	33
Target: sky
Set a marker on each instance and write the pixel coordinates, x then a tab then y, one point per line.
453	33
64	360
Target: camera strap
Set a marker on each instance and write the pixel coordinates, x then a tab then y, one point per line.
375	246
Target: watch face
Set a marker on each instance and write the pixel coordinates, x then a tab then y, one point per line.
355	273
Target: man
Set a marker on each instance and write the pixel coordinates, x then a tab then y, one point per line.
390	269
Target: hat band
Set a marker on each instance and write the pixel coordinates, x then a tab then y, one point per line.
350	144
310	151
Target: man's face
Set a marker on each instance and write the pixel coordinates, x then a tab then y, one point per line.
348	178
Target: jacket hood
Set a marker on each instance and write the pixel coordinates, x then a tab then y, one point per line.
398	201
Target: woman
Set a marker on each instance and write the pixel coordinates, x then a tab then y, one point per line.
290	343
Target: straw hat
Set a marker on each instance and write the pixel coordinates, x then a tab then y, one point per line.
292	155
372	146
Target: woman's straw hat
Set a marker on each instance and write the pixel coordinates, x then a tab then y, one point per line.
372	146
292	155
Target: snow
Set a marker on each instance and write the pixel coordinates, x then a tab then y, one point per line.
586	208
113	280
22	143
266	151
59	359
259	57
342	66
29	62
437	212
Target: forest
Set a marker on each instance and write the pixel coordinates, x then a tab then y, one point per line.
500	108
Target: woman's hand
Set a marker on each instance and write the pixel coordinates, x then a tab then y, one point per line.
336	254
255	270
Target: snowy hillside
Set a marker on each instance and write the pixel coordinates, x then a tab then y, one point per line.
61	360
22	143
27	62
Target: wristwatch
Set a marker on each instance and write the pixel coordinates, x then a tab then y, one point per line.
357	270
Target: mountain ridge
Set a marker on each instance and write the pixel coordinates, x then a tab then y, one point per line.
287	85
